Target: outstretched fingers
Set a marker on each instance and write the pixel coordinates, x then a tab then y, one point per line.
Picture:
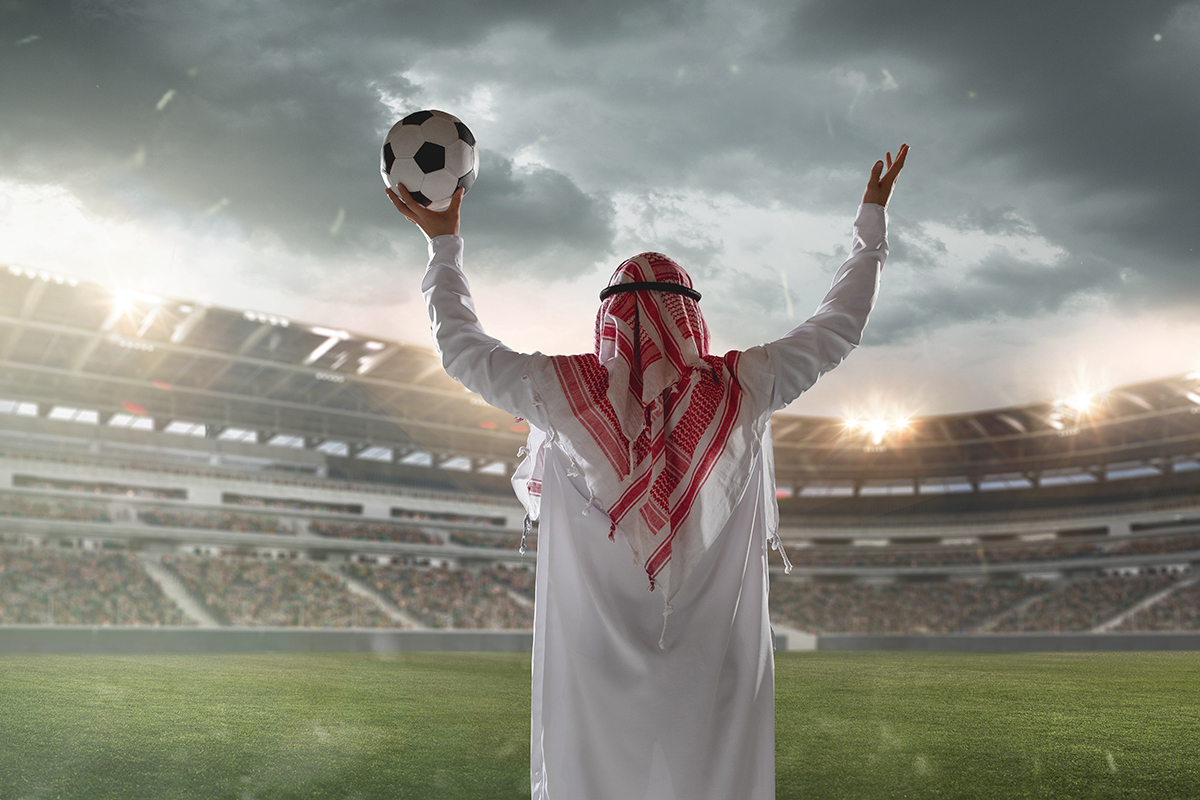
894	168
879	186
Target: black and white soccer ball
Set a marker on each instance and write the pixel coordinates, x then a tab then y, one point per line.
432	153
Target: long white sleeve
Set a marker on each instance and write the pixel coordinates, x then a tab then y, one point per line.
795	362
480	362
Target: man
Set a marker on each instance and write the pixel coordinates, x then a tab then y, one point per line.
651	447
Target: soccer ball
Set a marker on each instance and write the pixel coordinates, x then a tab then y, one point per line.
432	153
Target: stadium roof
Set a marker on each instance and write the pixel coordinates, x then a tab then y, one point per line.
66	344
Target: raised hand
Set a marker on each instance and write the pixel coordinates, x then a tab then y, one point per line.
879	187
432	223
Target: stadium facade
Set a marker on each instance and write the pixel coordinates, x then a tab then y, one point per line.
167	463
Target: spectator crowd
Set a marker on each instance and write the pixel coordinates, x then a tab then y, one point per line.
449	598
1178	611
494	541
216	520
253	592
48	586
33	507
893	607
1081	605
371	532
60	586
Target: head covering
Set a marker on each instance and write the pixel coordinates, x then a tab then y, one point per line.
654	422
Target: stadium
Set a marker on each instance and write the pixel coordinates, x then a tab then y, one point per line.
287	558
170	465
255	544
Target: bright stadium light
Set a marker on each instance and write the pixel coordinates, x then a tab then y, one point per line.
268	319
1075	407
877	428
43	275
123	299
1080	403
123	302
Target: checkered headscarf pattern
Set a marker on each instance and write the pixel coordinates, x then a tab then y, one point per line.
651	421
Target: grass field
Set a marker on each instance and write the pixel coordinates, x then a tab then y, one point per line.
857	725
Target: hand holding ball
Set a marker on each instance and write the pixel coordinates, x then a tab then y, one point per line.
431	153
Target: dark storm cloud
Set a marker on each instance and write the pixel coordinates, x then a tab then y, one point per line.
268	113
1002	220
912	246
1000	287
1068	117
751	308
537	223
1064	120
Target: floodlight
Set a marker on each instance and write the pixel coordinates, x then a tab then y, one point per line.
1080	403
877	428
270	319
122	302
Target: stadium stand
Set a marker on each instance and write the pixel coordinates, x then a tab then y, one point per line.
255	457
374	531
1082	605
1179	611
62	587
894	607
245	591
26	507
449	598
211	520
496	541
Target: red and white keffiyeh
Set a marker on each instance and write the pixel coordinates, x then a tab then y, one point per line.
659	428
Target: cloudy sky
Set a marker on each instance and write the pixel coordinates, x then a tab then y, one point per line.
1043	233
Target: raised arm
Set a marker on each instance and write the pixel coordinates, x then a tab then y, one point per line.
793	363
479	362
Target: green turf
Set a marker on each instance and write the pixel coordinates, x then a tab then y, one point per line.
1017	725
854	725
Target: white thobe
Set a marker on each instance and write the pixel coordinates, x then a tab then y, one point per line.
613	714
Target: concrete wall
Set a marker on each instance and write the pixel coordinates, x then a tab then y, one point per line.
88	639
1012	642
